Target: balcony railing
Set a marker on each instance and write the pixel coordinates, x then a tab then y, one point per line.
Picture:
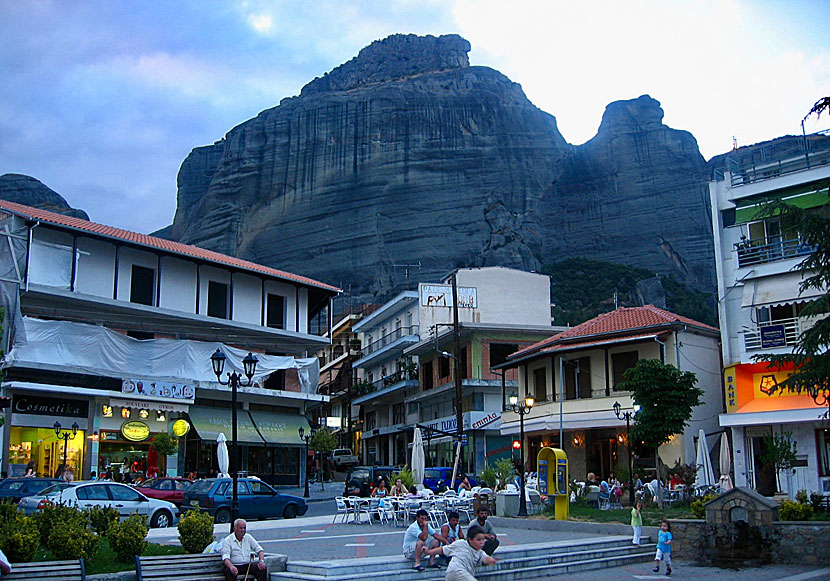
364	387
761	250
754	173
389	338
792	329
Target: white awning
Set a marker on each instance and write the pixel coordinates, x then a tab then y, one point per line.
776	290
771	417
570	421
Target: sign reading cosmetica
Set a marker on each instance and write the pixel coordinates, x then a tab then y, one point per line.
135	431
157	389
49	406
440	295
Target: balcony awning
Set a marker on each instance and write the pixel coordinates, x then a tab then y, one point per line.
280	428
209	422
570	421
776	290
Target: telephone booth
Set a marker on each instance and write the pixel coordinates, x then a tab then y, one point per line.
552	468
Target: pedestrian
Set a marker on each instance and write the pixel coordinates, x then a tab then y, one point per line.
664	538
93	476
419	538
466	554
30	470
238	551
637	521
5	565
59	472
481	520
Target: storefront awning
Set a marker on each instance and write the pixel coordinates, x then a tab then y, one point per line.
570	421
776	290
280	428
209	422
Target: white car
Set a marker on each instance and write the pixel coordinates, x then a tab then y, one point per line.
128	501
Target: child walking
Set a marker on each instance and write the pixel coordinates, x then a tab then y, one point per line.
637	522
466	554
663	553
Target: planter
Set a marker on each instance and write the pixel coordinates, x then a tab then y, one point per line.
507	504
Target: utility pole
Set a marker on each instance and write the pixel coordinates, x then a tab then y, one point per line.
457	348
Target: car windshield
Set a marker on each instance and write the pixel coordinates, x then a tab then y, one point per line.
151	483
436	474
55	488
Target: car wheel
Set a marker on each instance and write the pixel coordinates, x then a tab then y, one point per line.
290	511
161	520
222	516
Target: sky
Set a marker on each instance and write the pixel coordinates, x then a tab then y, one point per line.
103	100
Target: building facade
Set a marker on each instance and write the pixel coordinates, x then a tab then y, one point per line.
760	309
109	333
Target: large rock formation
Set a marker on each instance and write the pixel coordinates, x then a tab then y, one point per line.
408	155
27	190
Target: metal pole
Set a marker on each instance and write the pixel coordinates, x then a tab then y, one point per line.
305	492
65	437
630	465
522	502
457	340
235	467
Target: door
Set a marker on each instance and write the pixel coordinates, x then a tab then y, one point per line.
93	495
247	503
267	501
127	500
165	490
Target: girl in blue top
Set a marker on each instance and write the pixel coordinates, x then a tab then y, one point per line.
663	553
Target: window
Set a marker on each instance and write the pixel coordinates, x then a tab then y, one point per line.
94	492
398	415
620	362
166	485
182	485
261	488
124	492
500	351
540	384
371	420
823	451
578	378
426	375
217	300
276	312
276	380
142	283
462	363
443	367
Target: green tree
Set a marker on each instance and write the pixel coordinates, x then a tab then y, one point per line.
781	451
810	359
323	442
666	396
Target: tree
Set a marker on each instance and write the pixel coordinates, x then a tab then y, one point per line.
810	359
323	442
666	397
780	451
164	444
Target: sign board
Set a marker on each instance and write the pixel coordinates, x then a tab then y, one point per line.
773	336
50	406
181	427
440	295
135	431
157	389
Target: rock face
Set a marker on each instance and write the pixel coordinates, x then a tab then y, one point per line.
27	190
408	155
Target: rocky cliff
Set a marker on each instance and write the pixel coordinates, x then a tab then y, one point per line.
27	190
406	154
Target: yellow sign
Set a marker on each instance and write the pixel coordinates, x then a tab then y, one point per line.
180	428
135	431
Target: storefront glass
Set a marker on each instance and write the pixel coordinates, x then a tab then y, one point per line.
43	446
124	461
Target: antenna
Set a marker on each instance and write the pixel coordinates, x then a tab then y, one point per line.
407	267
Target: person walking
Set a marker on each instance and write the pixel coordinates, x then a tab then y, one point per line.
664	538
238	550
637	521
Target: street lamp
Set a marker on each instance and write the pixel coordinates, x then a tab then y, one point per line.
627	415
521	409
66	436
305	439
234	380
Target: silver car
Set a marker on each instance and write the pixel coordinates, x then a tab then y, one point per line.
128	501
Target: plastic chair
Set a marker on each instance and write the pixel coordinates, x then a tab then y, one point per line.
342	509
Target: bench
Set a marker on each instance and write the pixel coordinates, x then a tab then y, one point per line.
204	567
54	570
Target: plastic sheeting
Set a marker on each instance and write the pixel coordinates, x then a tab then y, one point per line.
101	351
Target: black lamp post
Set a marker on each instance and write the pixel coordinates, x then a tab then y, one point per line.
305	439
66	436
627	415
234	380
521	409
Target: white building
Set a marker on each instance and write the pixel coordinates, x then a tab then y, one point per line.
111	332
760	308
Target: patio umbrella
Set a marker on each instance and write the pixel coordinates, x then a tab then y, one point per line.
222	454
725	464
705	473
418	460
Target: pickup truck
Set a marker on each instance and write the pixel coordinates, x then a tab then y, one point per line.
343	458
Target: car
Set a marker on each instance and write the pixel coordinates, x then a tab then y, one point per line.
128	501
256	499
165	488
361	480
16	488
343	458
437	479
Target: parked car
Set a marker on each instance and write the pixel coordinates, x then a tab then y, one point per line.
438	479
256	499
343	458
128	501
17	488
165	488
361	480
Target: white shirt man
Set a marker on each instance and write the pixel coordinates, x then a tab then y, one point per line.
237	551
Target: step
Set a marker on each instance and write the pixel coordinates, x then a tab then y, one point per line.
515	561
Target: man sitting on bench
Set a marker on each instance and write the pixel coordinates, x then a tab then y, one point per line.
238	549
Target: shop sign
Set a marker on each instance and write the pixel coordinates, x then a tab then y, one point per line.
146	404
181	427
488	419
109	436
157	389
50	406
135	431
440	295
773	336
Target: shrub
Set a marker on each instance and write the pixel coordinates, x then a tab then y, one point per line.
698	507
489	477
801	497
504	471
195	531
72	539
817	501
790	510
52	514
19	538
8	510
101	518
406	478
128	538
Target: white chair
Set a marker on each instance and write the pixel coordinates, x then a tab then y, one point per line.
342	509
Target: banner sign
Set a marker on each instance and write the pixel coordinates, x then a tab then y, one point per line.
440	295
157	389
50	406
773	336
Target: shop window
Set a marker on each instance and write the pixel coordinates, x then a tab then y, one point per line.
540	384
217	300
276	312
621	362
142	285
42	446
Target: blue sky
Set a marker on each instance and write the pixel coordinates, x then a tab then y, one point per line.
102	100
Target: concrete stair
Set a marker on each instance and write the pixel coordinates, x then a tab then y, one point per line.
532	561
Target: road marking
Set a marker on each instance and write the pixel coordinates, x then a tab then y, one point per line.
333	537
313	531
655	576
808	575
359	545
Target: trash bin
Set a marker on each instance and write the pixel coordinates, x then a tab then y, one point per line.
507	504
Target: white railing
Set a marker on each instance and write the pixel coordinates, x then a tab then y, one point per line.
792	329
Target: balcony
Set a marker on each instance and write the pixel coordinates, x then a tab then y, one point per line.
792	329
365	391
752	173
392	342
763	250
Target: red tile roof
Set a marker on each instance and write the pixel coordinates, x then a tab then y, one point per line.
152	242
624	321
